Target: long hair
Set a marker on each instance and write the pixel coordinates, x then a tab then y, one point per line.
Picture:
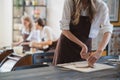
27	18
77	5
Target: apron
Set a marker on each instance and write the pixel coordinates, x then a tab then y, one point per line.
25	47
68	51
52	47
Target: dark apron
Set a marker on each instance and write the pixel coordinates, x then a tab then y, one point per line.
68	51
25	47
52	47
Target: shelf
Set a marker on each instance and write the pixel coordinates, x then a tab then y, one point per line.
36	6
30	6
20	8
16	30
16	17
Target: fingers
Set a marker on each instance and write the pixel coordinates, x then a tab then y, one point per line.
91	65
84	49
84	55
84	52
92	59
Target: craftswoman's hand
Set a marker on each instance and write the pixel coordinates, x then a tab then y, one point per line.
94	57
34	44
84	51
15	44
25	43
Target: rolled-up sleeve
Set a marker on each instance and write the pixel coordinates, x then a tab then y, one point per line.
106	26
66	16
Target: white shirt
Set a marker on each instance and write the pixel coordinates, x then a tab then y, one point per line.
48	34
34	36
101	18
24	31
84	12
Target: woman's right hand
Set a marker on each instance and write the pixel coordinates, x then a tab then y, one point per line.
84	52
34	44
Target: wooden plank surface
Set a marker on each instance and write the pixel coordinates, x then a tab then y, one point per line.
55	73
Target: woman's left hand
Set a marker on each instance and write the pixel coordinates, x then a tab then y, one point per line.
84	51
94	57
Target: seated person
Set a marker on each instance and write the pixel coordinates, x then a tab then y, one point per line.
34	36
47	35
25	32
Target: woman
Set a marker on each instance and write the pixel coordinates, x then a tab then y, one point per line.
80	23
25	32
48	37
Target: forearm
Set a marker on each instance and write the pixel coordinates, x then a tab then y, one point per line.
40	44
44	43
104	41
25	43
17	43
96	55
73	38
35	45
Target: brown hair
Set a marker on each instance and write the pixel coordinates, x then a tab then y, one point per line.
27	18
77	5
40	22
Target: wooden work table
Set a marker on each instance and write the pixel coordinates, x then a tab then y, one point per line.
57	73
